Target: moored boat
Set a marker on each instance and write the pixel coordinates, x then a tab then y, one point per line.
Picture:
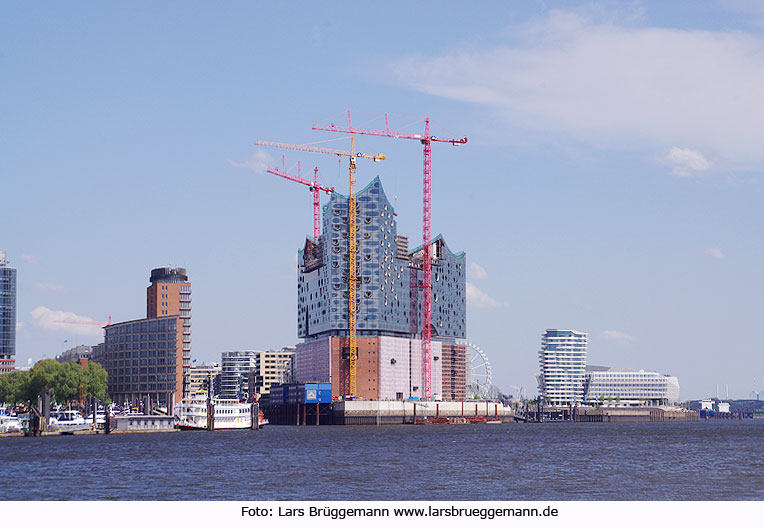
229	414
68	422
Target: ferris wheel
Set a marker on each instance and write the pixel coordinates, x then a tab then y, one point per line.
479	375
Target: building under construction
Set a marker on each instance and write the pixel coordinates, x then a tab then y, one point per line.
389	364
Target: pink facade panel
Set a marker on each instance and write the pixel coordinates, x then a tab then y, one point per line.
394	382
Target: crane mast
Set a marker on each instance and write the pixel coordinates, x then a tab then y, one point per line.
426	139
315	188
352	272
352	242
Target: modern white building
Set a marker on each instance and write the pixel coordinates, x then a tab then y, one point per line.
630	387
235	368
562	361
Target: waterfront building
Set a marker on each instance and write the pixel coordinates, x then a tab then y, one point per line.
389	303
143	358
7	315
272	367
152	356
235	368
630	387
562	362
75	354
199	377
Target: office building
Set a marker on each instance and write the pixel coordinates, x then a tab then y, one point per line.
203	377
628	387
562	361
152	356
143	358
170	294
271	367
7	315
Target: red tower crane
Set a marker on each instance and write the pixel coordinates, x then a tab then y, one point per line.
426	139
314	186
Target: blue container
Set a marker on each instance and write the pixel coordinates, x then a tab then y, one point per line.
324	396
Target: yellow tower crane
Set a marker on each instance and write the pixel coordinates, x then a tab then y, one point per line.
352	242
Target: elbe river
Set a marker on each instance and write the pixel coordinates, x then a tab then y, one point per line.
712	460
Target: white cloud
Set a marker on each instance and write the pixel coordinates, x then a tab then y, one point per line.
476	271
19	326
49	287
616	335
479	299
715	253
259	161
48	319
614	84
686	162
30	259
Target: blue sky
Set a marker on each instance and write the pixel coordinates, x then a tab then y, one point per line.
612	182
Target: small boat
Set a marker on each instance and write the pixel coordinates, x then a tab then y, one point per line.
68	422
9	423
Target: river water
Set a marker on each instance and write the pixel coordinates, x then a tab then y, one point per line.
714	460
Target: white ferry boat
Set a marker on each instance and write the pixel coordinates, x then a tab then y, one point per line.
229	414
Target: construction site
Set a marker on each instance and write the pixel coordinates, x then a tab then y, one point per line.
383	323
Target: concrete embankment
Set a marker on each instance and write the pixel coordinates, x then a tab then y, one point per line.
645	414
369	412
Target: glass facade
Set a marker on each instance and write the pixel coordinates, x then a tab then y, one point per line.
388	299
7	315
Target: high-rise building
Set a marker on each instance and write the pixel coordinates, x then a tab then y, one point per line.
562	361
170	294
389	304
234	377
152	356
7	315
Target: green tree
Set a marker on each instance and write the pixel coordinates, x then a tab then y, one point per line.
94	381
13	387
41	378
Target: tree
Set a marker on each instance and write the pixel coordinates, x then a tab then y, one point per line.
41	378
94	381
13	387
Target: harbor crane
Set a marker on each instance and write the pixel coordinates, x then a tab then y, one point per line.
352	242
314	186
426	139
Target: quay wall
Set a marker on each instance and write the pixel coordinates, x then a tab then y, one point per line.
371	412
139	423
650	414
